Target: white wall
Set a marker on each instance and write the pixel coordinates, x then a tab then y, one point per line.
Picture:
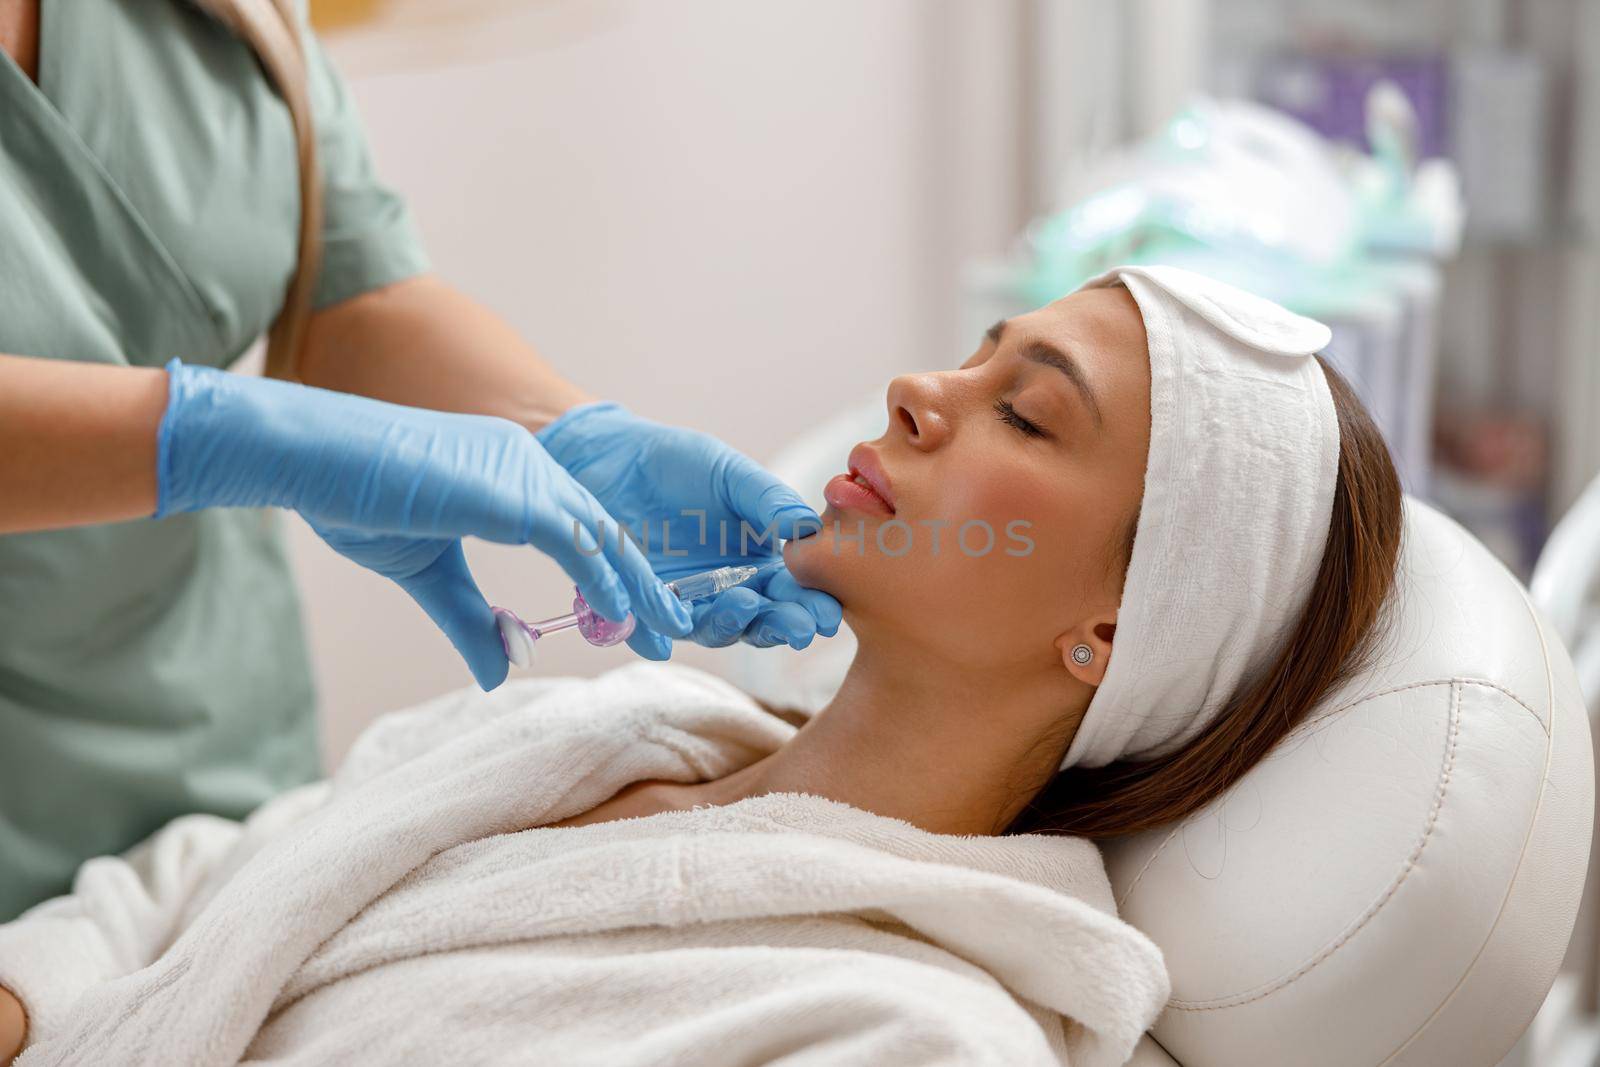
732	215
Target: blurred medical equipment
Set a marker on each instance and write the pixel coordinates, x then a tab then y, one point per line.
1396	884
1490	466
1495	87
1485	108
1250	196
518	637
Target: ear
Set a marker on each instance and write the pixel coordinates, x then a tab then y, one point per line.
1097	634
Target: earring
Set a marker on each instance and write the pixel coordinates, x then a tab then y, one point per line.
1082	654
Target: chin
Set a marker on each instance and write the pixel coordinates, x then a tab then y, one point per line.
816	565
812	562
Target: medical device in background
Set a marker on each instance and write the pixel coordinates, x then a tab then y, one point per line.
1456	137
1251	196
519	637
1486	107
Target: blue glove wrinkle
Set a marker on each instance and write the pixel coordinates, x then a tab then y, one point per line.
650	645
824	610
559	437
792	623
724	619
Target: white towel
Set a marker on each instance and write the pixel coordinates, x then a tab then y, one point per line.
406	915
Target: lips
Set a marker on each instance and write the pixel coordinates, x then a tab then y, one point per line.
865	488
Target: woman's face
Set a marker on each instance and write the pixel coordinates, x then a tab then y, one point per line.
1007	487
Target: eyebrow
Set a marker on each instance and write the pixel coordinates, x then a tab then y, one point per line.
1039	351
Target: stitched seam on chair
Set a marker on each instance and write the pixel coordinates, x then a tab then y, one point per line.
1549	757
1322	720
1410	865
1520	702
1123	900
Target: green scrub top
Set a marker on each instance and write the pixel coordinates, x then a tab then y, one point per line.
148	209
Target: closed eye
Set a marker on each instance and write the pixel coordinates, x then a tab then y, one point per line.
1008	414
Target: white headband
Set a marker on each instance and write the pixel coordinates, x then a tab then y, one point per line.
1238	493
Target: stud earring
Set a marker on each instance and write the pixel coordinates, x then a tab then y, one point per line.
1082	654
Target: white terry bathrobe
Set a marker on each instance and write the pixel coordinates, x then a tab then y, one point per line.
404	913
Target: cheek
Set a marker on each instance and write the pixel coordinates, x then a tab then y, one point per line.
1007	499
1041	569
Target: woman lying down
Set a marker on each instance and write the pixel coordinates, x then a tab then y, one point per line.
650	868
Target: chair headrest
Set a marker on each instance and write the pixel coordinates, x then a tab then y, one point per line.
1403	871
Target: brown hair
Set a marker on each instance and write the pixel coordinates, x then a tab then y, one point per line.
1332	640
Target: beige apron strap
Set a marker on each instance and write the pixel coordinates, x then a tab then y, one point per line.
269	27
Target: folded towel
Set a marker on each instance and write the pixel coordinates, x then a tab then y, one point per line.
1238	497
407	914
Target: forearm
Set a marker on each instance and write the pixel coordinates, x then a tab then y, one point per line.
423	343
77	442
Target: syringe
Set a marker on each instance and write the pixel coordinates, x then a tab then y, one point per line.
518	637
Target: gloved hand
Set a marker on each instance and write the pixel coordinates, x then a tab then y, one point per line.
395	488
642	472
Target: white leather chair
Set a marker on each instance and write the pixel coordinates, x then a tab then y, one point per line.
1397	882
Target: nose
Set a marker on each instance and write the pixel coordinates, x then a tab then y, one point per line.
917	406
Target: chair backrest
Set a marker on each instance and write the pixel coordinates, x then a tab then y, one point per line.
1397	882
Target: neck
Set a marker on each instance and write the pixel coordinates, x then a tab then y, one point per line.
914	737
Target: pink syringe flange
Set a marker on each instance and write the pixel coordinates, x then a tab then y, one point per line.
518	637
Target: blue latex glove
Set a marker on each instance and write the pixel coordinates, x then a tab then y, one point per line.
641	470
395	488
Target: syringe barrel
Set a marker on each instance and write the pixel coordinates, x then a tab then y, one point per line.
709	583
